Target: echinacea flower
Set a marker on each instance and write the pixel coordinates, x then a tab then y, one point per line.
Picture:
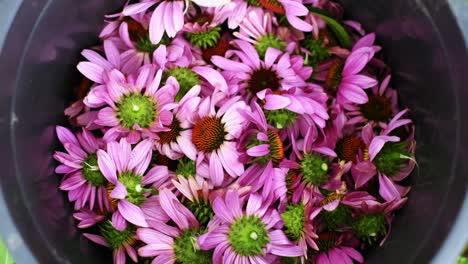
346	79
386	156
84	181
257	28
373	220
173	244
168	17
275	72
135	107
292	9
88	218
129	186
122	242
267	144
336	207
314	163
298	217
246	236
214	135
197	197
298	101
203	29
188	72
382	105
333	249
176	142
137	48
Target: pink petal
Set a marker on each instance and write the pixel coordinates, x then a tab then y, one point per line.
360	80
259	151
357	61
107	166
274	102
175	210
216	170
332	205
378	143
221	210
119	256
118	221
387	189
354	254
132	213
96	239
156	30
352	93
254	203
271	56
91	71
213	238
112	54
137	8
107	117
363	172
156	174
119	192
230	65
131	252
141	157
66	136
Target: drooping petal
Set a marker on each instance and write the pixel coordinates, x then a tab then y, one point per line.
132	213
363	172
387	189
107	166
118	221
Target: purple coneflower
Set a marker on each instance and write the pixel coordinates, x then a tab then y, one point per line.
254	75
188	72
257	28
168	17
83	179
314	163
267	144
136	106
299	102
373	220
214	135
292	9
198	197
333	248
122	242
252	235
176	142
129	186
298	217
382	105
386	156
203	29
345	78
173	244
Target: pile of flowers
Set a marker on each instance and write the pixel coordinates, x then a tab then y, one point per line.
256	131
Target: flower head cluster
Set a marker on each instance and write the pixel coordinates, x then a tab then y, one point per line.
242	131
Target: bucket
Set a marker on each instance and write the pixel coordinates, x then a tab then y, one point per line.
40	45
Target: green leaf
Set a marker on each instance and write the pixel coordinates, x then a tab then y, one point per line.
335	26
5	257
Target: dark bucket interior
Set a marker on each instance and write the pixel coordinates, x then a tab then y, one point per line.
422	43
